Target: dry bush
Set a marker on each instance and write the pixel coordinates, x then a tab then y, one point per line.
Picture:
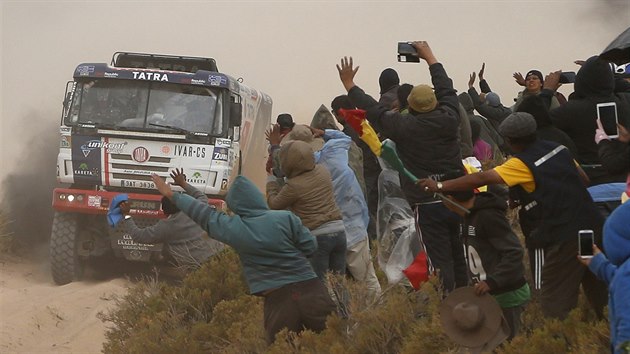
6	237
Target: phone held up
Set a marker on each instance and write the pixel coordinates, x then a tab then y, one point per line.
607	115
585	243
567	77
407	53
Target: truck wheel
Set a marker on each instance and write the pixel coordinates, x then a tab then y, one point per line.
65	263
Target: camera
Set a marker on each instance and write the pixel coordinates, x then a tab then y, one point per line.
567	77
407	53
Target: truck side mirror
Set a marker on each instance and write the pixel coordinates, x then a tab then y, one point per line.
236	111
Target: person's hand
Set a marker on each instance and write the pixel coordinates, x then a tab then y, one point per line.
317	132
471	80
427	185
273	135
481	71
624	135
161	186
124	208
518	77
552	80
347	71
600	134
424	51
179	178
481	288
580	62
587	260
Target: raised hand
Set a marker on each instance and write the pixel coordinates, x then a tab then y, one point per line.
424	51
161	186
471	81
552	80
347	71
624	135
481	71
518	77
273	135
179	178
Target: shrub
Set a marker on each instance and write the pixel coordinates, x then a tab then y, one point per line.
6	237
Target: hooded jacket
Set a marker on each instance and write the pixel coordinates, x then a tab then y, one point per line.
594	83
615	271
389	82
308	191
272	245
488	132
495	252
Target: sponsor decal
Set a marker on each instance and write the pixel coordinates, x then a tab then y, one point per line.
106	74
216	80
110	148
190	151
65	142
87	171
197	82
85	70
94	200
128	243
86	166
166	149
223	142
141	75
197	178
220	154
140	154
65	130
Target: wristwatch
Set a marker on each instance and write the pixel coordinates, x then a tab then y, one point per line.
127	217
439	186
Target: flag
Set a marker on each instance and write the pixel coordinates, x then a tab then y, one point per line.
356	119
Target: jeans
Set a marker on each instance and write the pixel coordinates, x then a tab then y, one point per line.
439	228
330	255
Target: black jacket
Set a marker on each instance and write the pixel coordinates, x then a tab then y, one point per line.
495	115
494	252
594	83
426	142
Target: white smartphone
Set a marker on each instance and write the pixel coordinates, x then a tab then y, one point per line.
585	243
607	115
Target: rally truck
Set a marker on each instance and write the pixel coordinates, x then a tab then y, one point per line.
144	114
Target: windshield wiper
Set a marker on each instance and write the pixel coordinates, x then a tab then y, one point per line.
177	129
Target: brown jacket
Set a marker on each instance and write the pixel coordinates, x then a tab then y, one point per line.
308	192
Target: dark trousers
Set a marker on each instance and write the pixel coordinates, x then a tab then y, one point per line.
297	306
512	316
562	275
330	255
439	228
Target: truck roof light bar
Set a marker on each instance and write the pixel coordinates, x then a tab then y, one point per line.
163	62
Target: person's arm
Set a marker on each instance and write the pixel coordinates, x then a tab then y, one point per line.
442	84
157	233
340	137
179	179
463	183
602	268
475	97
614	155
302	237
502	238
279	198
483	84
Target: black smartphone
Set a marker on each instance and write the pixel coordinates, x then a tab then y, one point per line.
585	243
407	53
607	115
567	77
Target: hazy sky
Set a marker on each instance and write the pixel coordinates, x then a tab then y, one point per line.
286	48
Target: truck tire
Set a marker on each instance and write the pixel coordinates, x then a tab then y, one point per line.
65	263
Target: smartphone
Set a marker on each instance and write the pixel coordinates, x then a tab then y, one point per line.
607	115
585	243
407	53
567	77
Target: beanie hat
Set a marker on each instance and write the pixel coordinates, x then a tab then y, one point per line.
518	125
493	99
285	120
536	73
422	99
388	79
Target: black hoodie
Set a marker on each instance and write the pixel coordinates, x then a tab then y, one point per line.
594	83
495	253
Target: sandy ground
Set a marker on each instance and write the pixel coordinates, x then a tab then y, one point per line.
37	316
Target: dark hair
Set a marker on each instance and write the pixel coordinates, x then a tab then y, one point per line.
168	207
536	106
461	196
403	92
342	101
285	120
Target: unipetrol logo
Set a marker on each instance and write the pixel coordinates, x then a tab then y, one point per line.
140	154
97	144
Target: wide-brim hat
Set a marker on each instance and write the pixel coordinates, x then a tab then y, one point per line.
470	320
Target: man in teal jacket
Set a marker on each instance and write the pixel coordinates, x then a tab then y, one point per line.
273	247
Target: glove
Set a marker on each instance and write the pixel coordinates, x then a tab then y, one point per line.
600	135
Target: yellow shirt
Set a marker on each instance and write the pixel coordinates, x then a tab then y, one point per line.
514	171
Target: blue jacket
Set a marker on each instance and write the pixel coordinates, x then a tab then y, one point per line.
346	188
272	244
615	271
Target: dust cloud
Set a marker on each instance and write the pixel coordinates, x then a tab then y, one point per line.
286	49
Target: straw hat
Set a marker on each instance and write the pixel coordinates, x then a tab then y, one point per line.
471	320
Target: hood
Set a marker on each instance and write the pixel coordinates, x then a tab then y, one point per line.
296	157
487	200
323	119
535	106
244	198
303	133
617	234
594	79
466	101
388	79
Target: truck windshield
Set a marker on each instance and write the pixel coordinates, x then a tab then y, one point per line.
146	106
